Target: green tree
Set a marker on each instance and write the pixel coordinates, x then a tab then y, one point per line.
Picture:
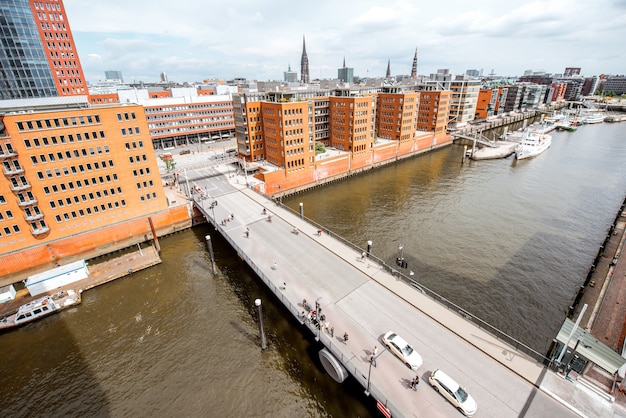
319	148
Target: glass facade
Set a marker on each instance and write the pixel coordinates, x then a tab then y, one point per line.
24	69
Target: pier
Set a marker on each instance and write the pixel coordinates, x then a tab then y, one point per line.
366	298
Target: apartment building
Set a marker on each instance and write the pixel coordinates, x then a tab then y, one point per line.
37	51
433	109
289	134
396	115
352	122
249	126
73	171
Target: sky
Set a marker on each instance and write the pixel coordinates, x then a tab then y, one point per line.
195	40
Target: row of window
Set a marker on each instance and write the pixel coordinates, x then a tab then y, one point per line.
67	216
137	158
80	168
85	197
130	131
9	230
53	26
32	125
133	144
39	6
189	107
70	138
78	184
126	116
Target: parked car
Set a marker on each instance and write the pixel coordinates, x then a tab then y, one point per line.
398	346
454	393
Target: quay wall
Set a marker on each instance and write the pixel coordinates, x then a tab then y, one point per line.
331	169
15	266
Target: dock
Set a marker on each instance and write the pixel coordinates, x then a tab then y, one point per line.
100	272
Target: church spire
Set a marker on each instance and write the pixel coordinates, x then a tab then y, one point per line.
388	76
414	68
304	64
344	62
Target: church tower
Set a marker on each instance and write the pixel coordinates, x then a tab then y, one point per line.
414	68
388	75
304	64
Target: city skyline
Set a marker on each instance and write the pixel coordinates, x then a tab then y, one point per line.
197	41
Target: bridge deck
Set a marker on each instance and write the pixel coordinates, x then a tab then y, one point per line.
366	300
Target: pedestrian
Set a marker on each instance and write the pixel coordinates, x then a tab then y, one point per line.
303	303
247	232
284	285
373	360
332	331
415	382
275	266
374	354
363	256
232	216
345	337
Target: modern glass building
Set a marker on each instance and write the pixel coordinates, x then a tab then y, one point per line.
37	53
24	69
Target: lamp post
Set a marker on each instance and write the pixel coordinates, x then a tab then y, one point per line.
369	374
257	302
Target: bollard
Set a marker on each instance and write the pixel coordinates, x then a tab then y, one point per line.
301	210
257	302
369	248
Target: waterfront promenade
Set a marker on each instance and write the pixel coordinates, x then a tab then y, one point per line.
365	300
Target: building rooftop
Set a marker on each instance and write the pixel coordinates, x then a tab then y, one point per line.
43	103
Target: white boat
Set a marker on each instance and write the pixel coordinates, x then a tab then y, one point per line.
39	308
596	117
534	143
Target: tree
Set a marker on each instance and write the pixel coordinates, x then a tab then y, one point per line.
319	148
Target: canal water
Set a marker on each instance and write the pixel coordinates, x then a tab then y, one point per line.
508	241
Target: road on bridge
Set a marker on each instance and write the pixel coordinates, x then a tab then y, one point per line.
359	297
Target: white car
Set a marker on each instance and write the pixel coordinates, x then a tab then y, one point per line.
398	346
454	393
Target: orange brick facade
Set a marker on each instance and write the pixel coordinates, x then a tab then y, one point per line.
70	172
58	42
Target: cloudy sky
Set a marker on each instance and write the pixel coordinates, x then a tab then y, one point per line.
194	40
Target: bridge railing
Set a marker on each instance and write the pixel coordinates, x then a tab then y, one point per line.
500	335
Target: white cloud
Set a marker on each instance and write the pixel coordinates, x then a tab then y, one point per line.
194	39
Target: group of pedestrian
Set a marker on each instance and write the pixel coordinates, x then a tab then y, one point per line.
230	218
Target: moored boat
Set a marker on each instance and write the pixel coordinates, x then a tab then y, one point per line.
595	117
39	308
534	143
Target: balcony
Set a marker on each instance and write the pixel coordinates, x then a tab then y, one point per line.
20	187
9	155
40	231
27	202
34	217
12	171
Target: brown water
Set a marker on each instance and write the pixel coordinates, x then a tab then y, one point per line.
508	241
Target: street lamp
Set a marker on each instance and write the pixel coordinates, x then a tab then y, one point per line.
400	260
369	374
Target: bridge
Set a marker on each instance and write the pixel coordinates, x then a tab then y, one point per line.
367	298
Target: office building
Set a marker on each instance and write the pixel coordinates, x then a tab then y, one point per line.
76	179
114	75
38	55
345	74
290	76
